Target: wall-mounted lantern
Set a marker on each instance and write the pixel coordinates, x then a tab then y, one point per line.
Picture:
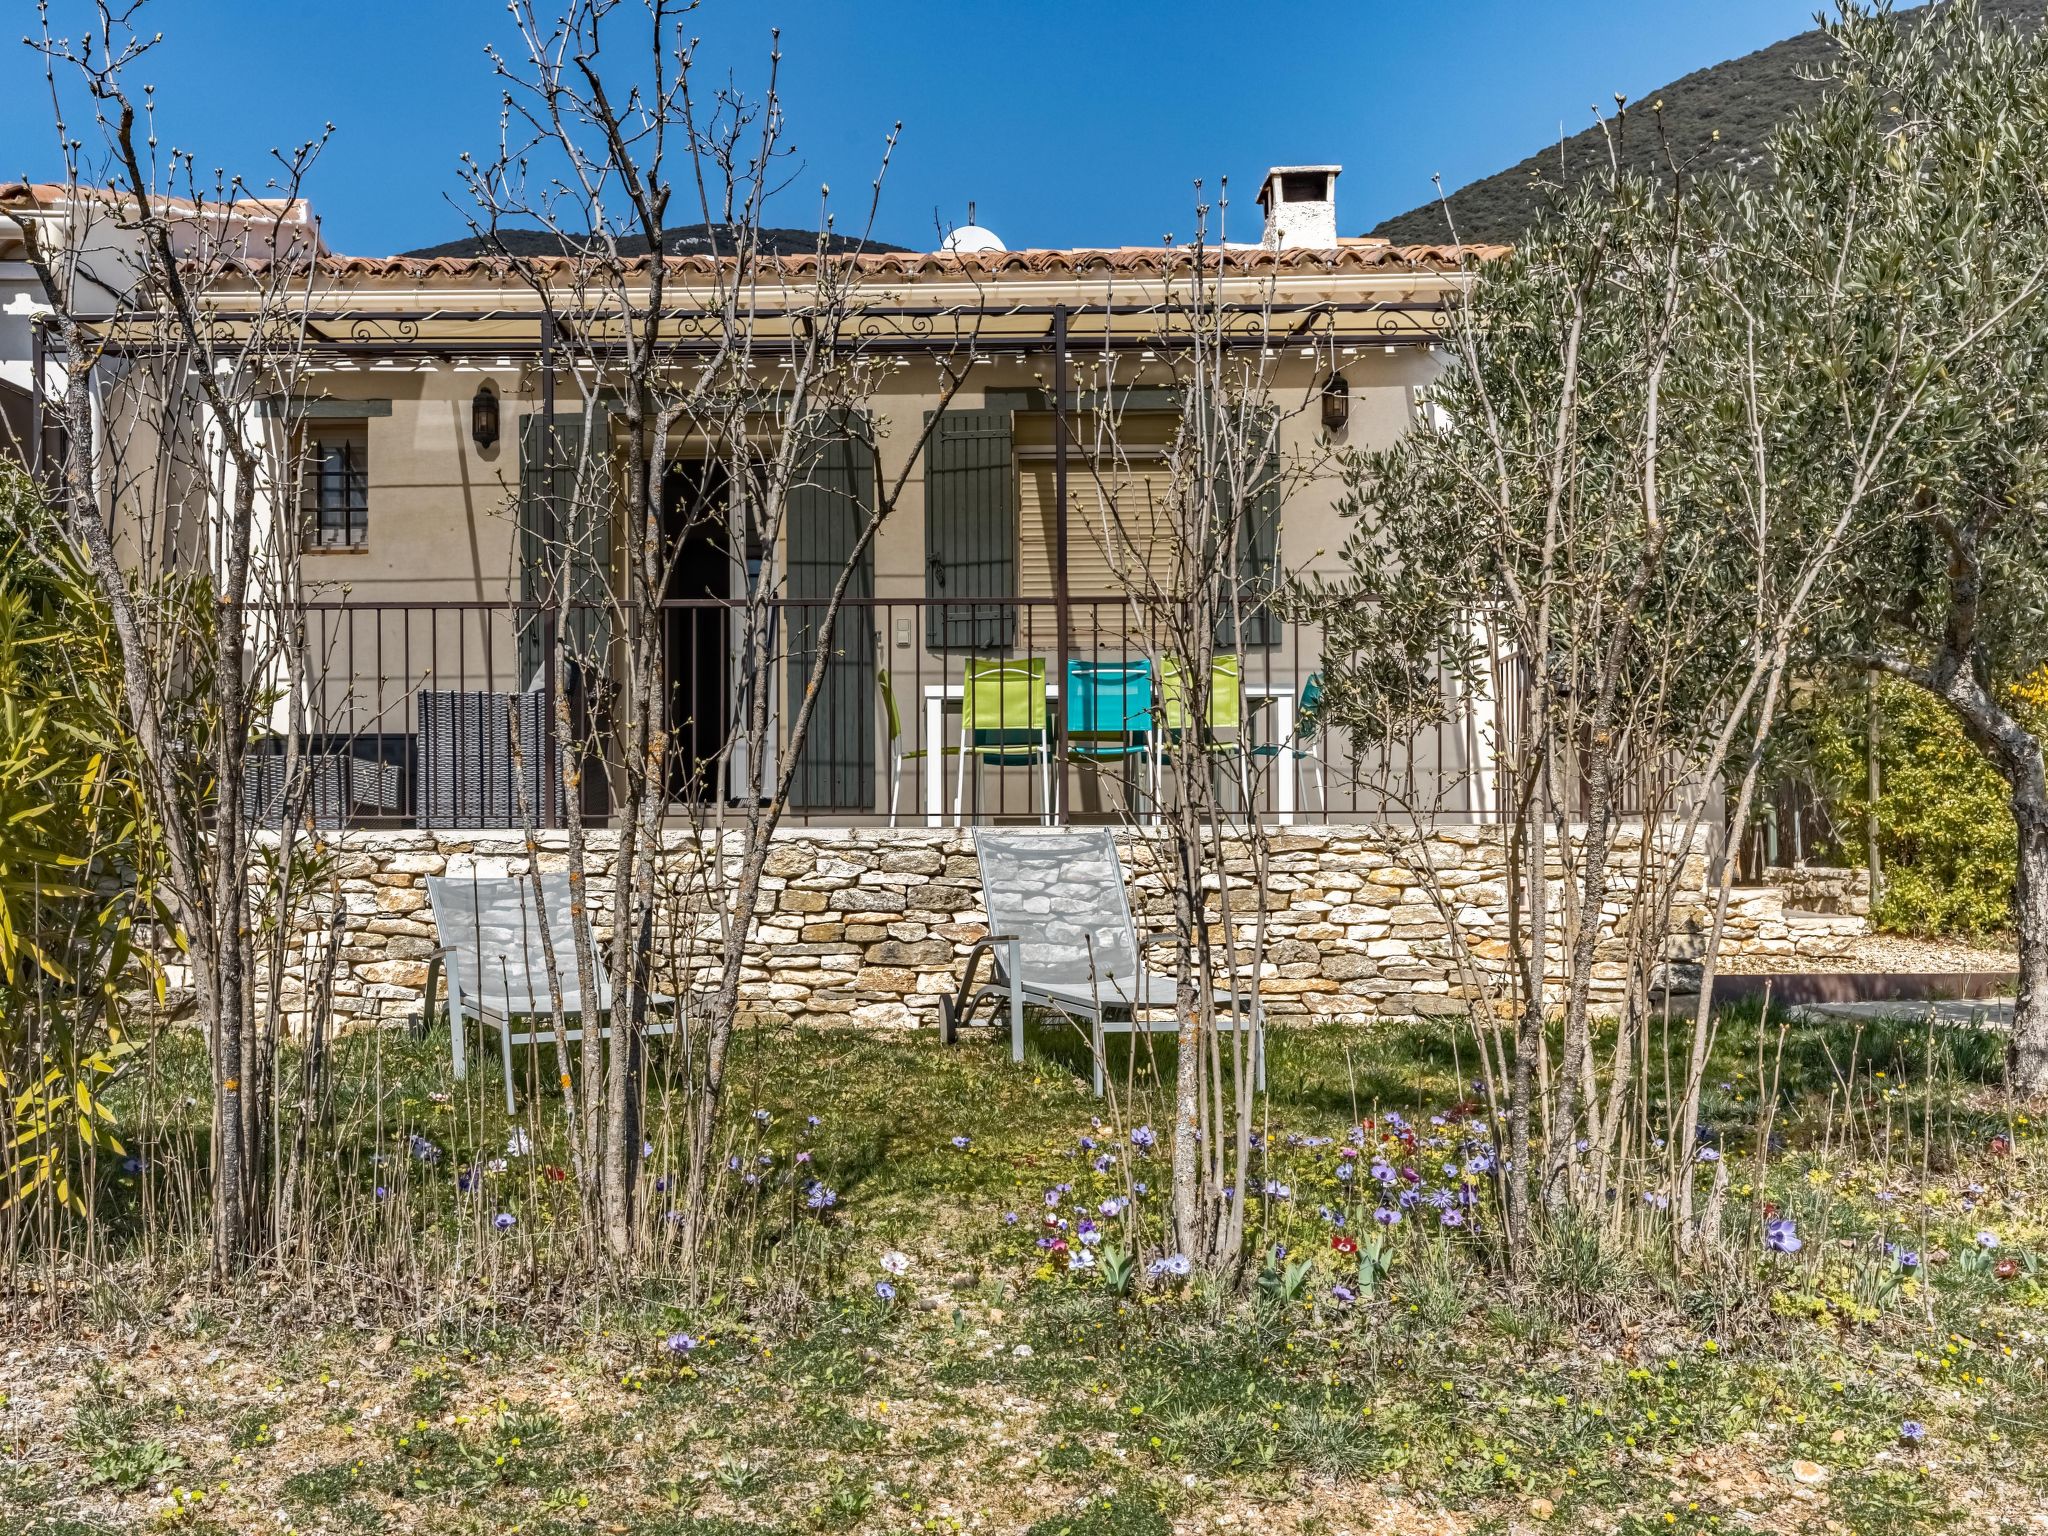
483	417
1336	403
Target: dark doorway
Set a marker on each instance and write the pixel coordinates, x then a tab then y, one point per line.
695	508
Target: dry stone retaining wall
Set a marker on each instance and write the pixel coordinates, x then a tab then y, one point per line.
872	925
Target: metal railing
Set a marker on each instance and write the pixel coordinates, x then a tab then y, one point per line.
413	713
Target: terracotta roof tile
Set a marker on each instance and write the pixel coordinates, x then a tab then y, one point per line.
1135	261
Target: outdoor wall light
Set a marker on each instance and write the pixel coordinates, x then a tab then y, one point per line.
483	416
1336	403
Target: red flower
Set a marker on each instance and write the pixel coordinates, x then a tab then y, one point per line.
1770	1209
2001	1146
2005	1269
1344	1244
555	1175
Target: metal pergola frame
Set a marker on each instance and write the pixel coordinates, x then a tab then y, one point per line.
905	329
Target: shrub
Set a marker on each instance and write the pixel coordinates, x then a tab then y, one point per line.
1944	828
71	851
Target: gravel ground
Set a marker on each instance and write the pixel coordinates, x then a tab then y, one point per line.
1887	952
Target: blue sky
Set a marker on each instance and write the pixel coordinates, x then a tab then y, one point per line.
1067	123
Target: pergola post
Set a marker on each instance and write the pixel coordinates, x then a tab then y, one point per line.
549	768
1062	614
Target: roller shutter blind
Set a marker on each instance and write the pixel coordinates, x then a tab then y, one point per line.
1120	535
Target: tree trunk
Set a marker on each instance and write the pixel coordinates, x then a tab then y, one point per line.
1956	679
2027	1053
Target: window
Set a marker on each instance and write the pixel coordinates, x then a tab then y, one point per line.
336	494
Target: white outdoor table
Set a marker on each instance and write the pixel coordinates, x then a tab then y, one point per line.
938	697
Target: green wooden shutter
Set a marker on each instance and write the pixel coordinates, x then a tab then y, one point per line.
1258	560
828	509
583	480
572	504
970	532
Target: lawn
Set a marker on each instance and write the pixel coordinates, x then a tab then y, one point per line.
906	1338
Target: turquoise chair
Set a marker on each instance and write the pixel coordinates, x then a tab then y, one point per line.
1109	713
1003	721
1307	746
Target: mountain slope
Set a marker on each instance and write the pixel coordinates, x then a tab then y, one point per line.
687	240
1741	100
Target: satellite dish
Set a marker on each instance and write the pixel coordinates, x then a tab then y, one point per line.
972	237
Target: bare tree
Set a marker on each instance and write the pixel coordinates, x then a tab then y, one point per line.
755	367
174	480
1182	512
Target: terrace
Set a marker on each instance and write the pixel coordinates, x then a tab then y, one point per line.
1054	710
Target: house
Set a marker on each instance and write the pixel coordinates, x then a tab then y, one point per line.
422	446
93	243
422	403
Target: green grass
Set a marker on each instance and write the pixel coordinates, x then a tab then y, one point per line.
1612	1386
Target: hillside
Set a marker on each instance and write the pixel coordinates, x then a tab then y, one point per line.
1741	100
687	240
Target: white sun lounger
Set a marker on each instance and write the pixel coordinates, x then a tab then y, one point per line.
1061	937
490	933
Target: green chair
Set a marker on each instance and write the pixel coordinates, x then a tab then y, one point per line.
1226	698
892	726
1003	721
1225	713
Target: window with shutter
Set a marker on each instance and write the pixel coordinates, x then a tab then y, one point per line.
970	532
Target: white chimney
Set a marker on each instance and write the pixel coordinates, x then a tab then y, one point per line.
1301	206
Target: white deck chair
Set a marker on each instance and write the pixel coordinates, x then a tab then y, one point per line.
497	969
1061	936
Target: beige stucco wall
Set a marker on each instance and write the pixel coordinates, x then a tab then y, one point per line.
443	512
443	520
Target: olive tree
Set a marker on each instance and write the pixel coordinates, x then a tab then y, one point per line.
1932	147
1677	436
